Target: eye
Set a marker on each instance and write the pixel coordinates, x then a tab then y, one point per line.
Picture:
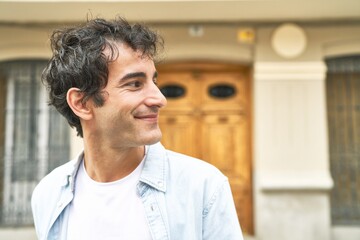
135	84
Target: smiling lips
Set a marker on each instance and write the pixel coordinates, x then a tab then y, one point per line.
148	117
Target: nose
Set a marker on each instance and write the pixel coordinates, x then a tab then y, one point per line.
155	97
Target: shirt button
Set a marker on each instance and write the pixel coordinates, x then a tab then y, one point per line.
160	184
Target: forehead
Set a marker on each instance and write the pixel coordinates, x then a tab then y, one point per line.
123	60
115	50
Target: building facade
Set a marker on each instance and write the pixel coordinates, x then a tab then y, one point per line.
273	102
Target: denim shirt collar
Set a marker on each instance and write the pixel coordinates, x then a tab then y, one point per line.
71	170
153	173
155	167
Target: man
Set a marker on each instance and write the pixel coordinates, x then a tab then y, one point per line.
124	185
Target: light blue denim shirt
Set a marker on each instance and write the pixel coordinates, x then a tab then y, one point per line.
184	199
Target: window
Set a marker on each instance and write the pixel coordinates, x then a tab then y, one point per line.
343	105
35	138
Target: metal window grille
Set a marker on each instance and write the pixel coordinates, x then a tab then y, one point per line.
36	139
343	105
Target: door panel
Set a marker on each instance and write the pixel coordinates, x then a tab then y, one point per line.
222	146
186	103
179	133
234	102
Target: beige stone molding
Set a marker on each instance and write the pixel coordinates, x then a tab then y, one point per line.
265	71
295	181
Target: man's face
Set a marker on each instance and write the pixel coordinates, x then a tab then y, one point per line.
129	116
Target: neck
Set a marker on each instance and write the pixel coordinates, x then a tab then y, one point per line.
105	164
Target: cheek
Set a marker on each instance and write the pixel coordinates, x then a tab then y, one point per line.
121	107
118	115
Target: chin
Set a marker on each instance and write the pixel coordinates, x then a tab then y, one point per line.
153	139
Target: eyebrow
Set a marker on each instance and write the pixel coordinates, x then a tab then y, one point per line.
136	75
133	75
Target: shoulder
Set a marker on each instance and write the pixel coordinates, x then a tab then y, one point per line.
46	196
57	177
197	181
192	171
181	163
49	188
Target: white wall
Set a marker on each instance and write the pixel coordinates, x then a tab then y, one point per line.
24	42
291	160
17	234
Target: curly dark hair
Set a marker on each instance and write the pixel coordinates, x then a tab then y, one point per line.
79	60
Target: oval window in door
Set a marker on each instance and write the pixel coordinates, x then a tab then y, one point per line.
222	90
173	91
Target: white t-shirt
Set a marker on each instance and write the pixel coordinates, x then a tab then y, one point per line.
107	210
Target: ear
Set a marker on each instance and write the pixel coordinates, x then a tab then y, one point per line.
74	98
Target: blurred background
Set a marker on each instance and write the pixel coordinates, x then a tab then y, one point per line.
268	91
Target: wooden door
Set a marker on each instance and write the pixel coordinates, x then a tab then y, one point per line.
208	117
